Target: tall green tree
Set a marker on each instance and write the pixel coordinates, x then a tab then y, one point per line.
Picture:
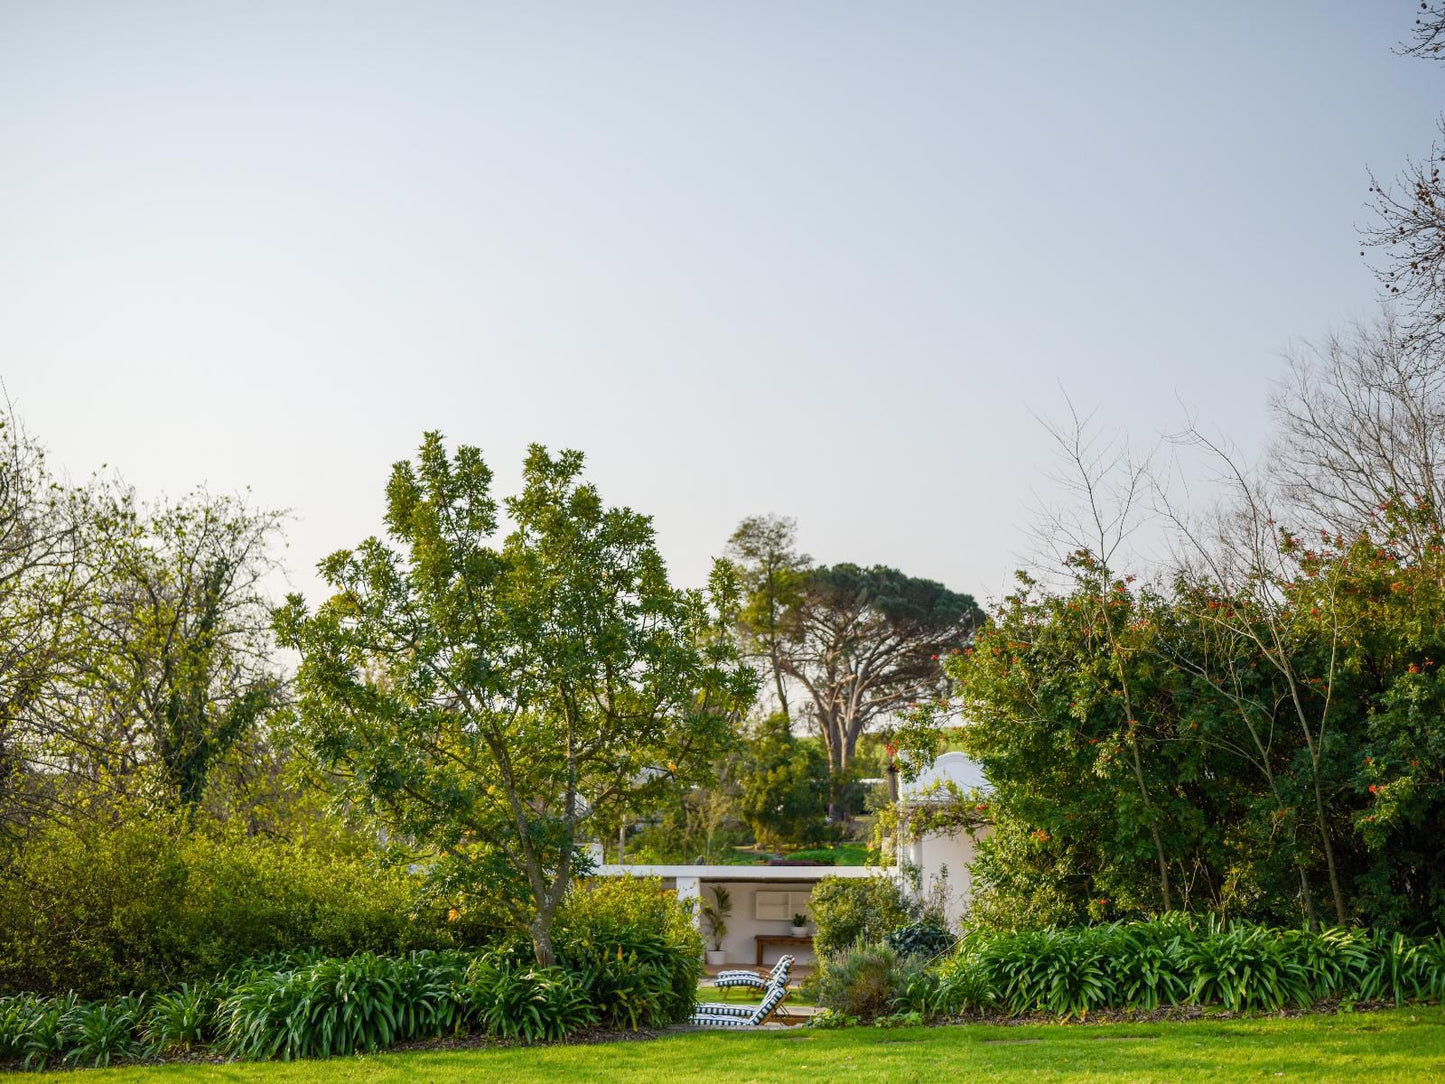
49	534
773	573
181	644
494	700
864	644
784	786
1291	747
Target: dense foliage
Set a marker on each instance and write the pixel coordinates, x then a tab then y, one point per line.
146	904
1175	960
634	948
848	910
500	700
865	981
1179	960
785	786
1275	756
630	959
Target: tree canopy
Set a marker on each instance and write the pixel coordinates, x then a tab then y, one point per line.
488	700
864	644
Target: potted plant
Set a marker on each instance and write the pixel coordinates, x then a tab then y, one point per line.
800	925
715	924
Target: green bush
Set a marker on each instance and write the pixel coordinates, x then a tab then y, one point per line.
1146	962
183	1018
95	1033
1247	967
848	910
145	905
1180	960
634	948
16	1017
336	1006
46	1030
927	938
514	1000
865	981
628	956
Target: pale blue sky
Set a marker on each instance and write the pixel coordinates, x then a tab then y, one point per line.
821	259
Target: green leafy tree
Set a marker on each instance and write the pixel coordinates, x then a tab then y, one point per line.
773	573
181	647
849	911
490	699
46	537
1043	693
864	644
785	786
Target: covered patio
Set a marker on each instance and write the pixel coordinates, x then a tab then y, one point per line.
764	901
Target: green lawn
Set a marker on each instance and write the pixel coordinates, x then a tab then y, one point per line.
1406	1045
841	854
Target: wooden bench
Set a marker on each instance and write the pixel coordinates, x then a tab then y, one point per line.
780	939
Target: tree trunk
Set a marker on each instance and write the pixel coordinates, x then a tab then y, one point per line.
776	657
833	739
541	930
1335	890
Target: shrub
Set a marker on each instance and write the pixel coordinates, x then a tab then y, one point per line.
634	948
517	1001
1064	972
145	905
1247	967
927	938
1175	960
15	1013
964	985
182	1019
629	956
848	910
336	1006
864	981
95	1033
45	1036
1146	963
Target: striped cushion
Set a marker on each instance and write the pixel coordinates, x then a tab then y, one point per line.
743	977
738	978
703	1020
739	973
771	1002
718	1015
718	1008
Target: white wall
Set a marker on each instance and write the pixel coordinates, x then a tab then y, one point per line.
739	945
937	852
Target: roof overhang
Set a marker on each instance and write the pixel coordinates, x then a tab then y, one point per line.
741	873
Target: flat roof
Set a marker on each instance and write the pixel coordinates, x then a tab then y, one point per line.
741	873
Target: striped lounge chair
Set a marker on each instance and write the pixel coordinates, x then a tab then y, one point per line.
715	1015
744	977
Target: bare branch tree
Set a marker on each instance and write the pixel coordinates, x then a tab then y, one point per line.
1409	231
47	533
1429	34
1361	420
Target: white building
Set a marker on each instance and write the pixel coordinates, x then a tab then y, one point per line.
941	856
765	898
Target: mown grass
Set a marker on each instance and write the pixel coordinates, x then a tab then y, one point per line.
1404	1045
840	854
